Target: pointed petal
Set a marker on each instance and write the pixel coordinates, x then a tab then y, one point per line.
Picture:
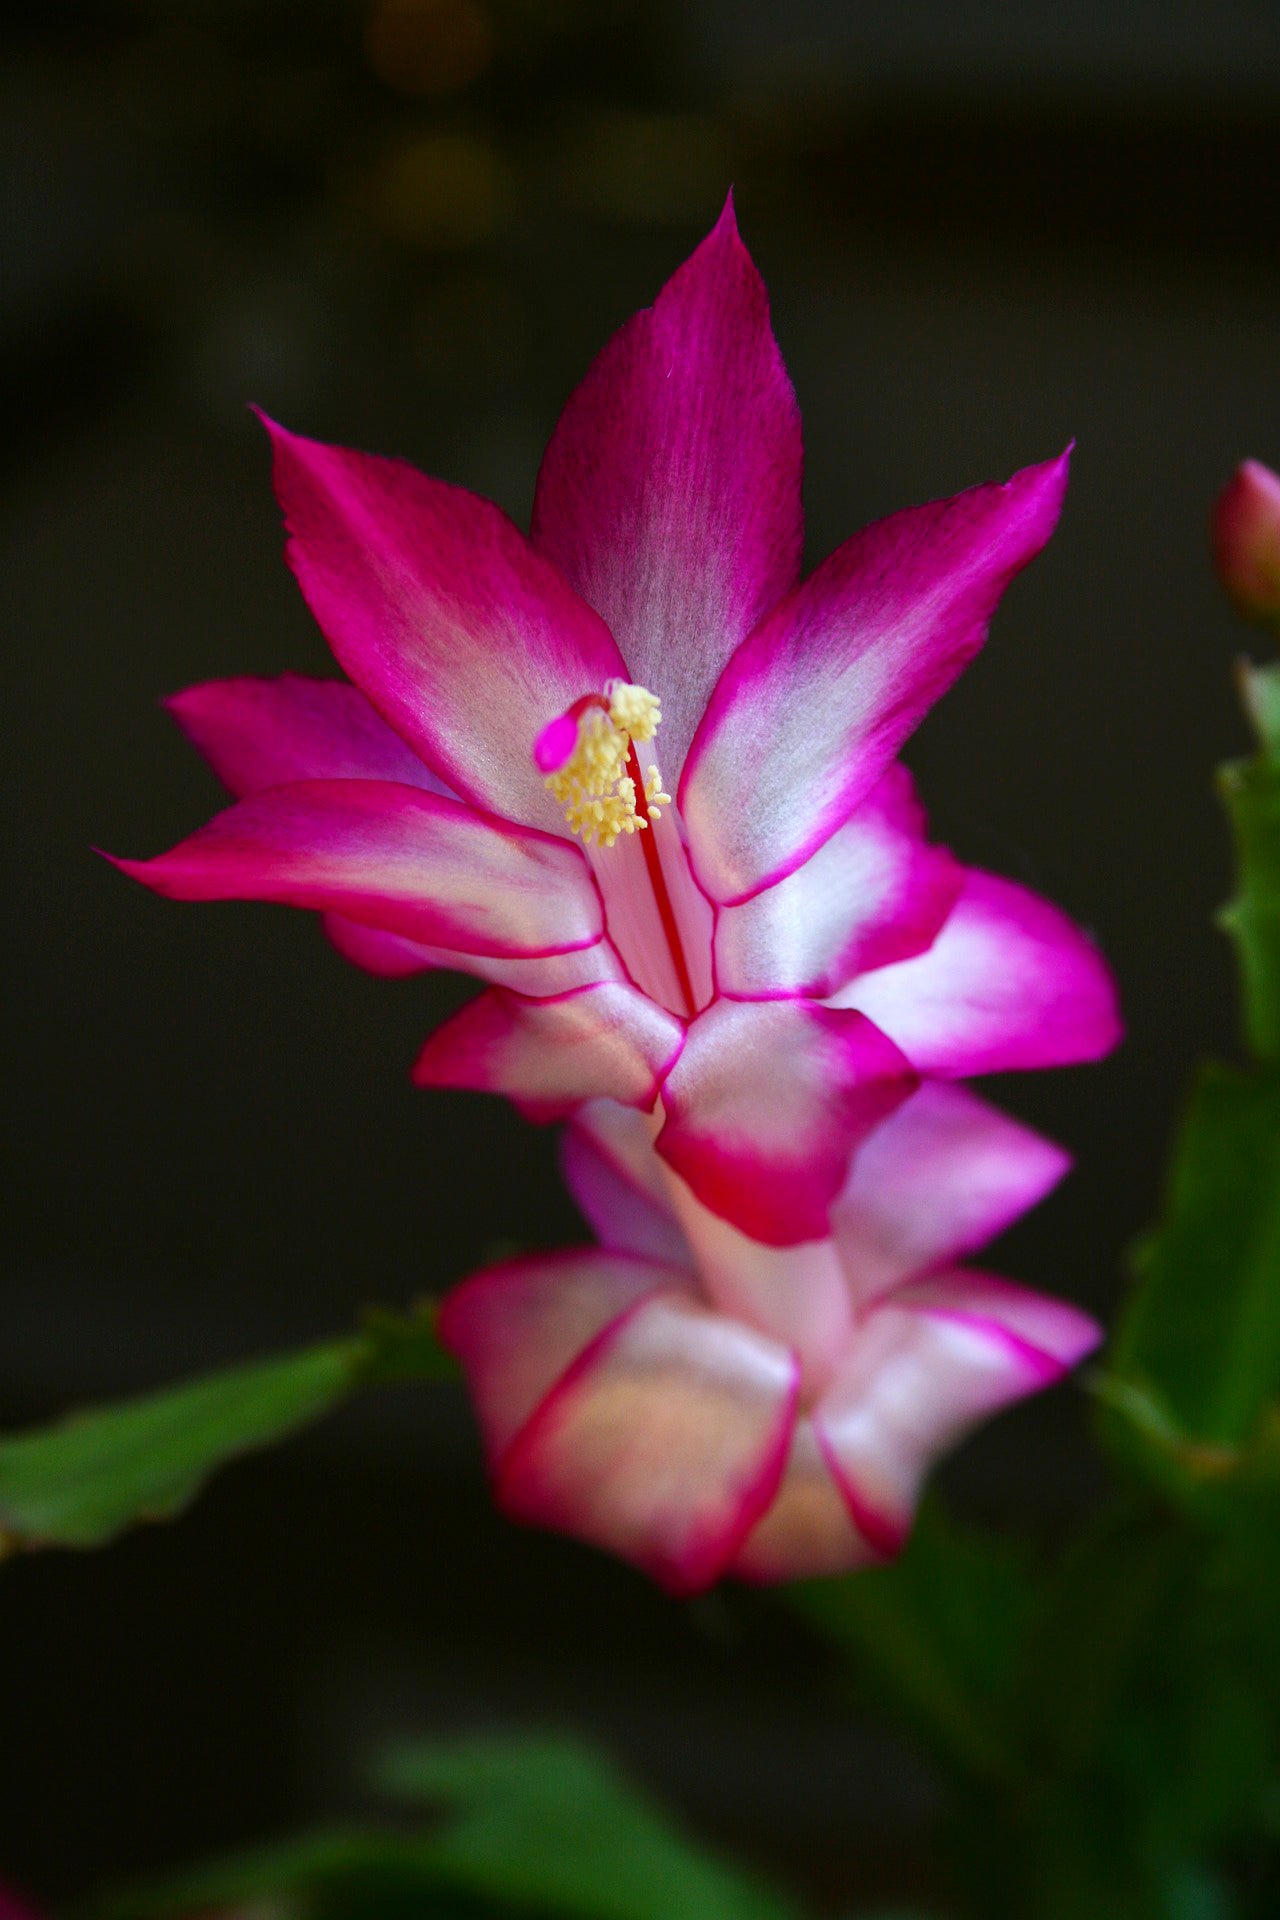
1009	982
940	1178
515	1328
807	1532
818	699
624	1216
394	958
465	640
267	733
1045	1336
598	1042
765	1106
876	892
928	1363
669	495
664	1443
392	857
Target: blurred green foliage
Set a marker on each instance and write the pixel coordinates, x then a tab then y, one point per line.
542	1825
1109	1717
82	1482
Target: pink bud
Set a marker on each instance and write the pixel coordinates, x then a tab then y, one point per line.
1246	540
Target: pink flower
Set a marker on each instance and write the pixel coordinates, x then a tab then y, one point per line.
772	961
1246	539
704	1405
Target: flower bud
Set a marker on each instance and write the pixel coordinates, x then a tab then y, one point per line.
1246	540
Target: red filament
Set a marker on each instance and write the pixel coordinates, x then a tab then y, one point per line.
653	859
661	892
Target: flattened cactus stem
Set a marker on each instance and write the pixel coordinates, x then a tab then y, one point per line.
1251	793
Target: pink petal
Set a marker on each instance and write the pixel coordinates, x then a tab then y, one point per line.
817	700
389	955
625	1137
807	1532
623	1215
1009	982
517	1327
463	637
607	1041
1047	1337
669	495
392	857
394	958
940	1178
927	1364
875	892
268	733
765	1106
664	1443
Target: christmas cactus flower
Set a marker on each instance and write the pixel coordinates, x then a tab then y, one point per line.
703	1404
639	777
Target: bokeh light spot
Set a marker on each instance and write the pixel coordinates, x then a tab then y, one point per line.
429	47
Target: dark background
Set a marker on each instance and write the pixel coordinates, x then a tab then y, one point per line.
408	224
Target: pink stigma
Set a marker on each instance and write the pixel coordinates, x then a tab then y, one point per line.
556	743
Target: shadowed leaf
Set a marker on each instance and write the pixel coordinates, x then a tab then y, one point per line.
80	1483
549	1823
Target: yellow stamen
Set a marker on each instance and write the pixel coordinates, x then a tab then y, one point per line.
594	785
633	709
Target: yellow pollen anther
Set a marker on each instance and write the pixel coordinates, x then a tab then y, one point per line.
633	709
653	791
593	785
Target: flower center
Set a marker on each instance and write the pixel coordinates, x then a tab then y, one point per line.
588	757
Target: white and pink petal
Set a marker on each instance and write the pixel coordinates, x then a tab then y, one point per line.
392	957
621	1211
258	733
607	1041
396	858
874	893
808	1531
465	639
664	1443
669	495
766	1104
944	1175
817	700
927	1364
1043	1336
1010	982
516	1327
